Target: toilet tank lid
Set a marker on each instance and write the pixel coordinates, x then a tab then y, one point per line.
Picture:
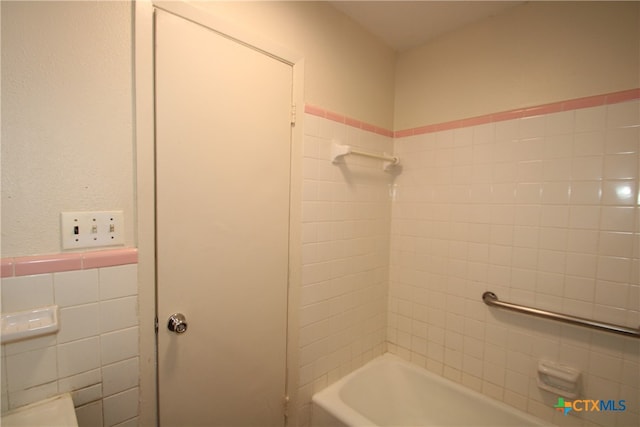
57	410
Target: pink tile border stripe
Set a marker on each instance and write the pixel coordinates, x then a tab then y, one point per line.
572	104
555	107
41	264
330	115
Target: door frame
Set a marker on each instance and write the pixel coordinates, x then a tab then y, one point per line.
144	99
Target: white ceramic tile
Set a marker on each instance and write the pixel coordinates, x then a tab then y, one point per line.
118	314
483	134
584	217
556	169
623	114
83	380
554	216
76	287
482	154
119	281
516	382
585	241
604	365
590	119
617	219
37	343
90	415
531	149
623	140
119	345
504	130
24	397
78	322
4	397
580	288
553	238
531	127
559	123
551	261
133	422
585	192
3	372
120	376
525	236
556	193
587	168
589	143
86	395
621	166
30	369
614	269
78	356
616	244
328	129
529	171
528	193
314	313
581	265
25	292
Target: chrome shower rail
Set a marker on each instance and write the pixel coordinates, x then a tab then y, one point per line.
491	299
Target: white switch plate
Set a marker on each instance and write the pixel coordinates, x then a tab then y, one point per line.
91	229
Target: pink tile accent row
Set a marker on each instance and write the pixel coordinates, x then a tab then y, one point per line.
41	264
572	104
330	115
555	107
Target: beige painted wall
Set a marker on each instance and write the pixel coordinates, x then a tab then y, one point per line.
533	54
67	122
67	82
347	70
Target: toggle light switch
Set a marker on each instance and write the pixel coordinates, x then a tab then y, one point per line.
92	229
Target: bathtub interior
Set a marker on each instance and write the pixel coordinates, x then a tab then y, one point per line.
391	392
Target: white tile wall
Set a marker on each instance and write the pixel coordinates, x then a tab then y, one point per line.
94	355
543	211
346	218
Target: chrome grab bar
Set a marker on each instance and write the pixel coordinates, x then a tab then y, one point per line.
491	299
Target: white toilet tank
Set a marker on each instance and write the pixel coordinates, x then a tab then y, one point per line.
55	411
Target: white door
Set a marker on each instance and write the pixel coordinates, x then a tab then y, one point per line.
223	139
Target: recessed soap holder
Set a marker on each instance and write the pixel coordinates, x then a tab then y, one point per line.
560	379
29	323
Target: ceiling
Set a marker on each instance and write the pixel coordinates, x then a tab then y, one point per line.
406	24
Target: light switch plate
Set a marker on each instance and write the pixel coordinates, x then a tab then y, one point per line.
92	229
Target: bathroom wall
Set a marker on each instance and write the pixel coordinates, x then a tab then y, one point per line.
521	139
68	144
67	133
347	70
542	210
346	214
533	54
94	355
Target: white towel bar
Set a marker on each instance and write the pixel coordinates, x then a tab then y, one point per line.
338	151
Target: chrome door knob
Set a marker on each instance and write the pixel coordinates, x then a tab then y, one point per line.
177	323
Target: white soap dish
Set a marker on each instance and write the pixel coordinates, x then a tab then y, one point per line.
560	379
29	323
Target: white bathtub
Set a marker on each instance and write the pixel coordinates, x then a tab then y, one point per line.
391	392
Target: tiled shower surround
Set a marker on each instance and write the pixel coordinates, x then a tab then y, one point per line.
95	353
346	218
538	206
542	210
